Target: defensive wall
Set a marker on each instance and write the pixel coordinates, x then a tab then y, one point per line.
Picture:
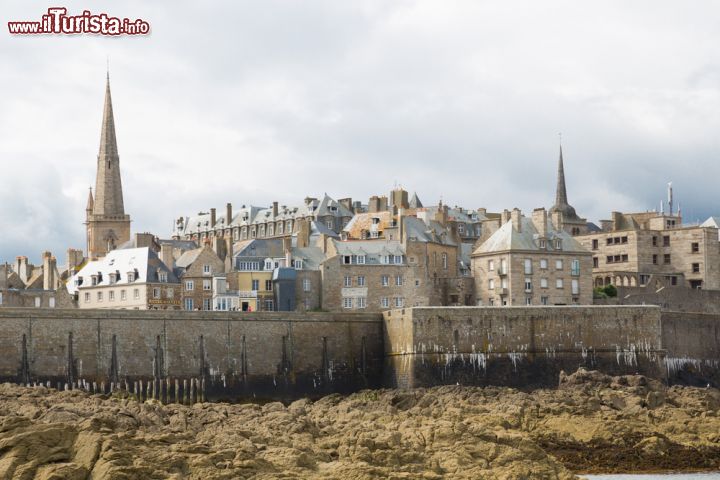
220	354
527	347
285	355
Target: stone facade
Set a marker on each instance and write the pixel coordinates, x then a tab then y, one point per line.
531	262
195	269
654	250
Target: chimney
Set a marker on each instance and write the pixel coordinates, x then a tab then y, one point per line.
504	217
539	219
516	217
557	220
374	204
218	245
74	259
21	268
303	234
482	211
166	256
401	225
49	265
228	214
275	209
347	203
616	217
213	217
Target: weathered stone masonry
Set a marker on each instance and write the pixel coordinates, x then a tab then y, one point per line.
283	355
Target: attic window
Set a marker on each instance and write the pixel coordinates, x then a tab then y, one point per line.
162	276
347	259
333	208
558	244
131	277
542	243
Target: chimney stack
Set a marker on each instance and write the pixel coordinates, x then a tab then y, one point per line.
516	217
21	268
49	265
539	219
228	214
557	220
275	209
504	217
213	217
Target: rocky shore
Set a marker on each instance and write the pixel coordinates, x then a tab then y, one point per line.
591	423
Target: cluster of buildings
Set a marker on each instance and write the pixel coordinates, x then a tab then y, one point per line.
337	255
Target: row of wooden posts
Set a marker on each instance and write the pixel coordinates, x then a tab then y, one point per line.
186	391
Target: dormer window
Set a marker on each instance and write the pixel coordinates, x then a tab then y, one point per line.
298	264
207	270
268	264
361	259
94	279
162	276
558	244
542	243
131	277
113	278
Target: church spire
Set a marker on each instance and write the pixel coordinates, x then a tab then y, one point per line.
560	191
90	202
108	186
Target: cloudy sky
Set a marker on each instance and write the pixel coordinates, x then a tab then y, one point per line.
256	101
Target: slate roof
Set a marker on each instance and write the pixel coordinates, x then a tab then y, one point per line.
506	238
143	261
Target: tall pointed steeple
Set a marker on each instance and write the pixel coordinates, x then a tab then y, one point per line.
108	186
560	191
107	224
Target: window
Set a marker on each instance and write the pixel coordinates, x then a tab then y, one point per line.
189	286
596	262
666	240
399	302
189	304
268	285
491	302
461	228
1	299
696	268
207	270
595	244
307	286
298	264
543	283
111	296
504	283
87	296
558	264
399	280
169	293
348	281
330	224
655	259
361	302
346	259
269	306
51	301
38	302
207	284
558	244
694	247
156	292
162	277
255	285
361	280
444	261
491	265
575	267
491	284
347	302
543	264
503	267
528	285
542	244
559	283
361	259
528	266
131	276
207	304
385	280
575	286
99	296
268	265
623	239
123	295
528	300
544	300
385	302
136	293
666	258
654	241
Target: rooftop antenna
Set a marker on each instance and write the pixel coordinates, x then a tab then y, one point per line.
670	198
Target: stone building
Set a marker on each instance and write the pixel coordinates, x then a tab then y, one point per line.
654	249
531	261
195	269
132	278
251	222
23	284
107	224
404	262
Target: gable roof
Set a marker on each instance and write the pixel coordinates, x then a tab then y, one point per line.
507	238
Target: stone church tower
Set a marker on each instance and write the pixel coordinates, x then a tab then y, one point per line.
563	214
107	224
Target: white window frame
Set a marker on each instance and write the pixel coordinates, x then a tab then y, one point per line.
123	295
207	270
347	302
189	286
361	280
543	283
491	265
543	264
528	266
347	281
385	302
385	280
558	264
559	283
361	302
307	285
207	285
398	280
